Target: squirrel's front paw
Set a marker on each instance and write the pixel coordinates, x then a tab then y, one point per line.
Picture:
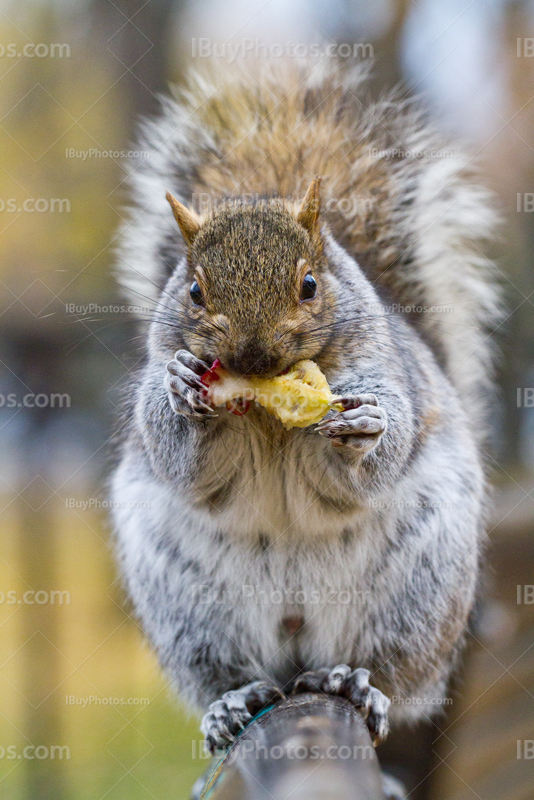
360	426
184	387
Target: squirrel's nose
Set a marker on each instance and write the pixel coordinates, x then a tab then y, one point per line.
251	359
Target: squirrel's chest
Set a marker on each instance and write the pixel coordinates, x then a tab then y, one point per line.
277	488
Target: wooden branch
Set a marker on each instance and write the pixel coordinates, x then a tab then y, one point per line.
310	747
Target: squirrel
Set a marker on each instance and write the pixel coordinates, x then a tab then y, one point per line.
342	557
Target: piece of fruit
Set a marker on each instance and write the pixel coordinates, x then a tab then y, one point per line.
298	398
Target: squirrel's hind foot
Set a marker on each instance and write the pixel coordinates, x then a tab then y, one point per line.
228	716
354	686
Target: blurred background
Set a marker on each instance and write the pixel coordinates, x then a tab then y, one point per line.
85	712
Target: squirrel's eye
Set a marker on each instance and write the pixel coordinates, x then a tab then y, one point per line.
309	287
196	294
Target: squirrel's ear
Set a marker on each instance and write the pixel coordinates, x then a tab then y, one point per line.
188	221
308	216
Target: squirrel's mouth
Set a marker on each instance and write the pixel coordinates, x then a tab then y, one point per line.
265	374
251	362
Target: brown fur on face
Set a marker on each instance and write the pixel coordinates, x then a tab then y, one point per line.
250	261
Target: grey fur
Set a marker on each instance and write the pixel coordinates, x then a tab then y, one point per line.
245	524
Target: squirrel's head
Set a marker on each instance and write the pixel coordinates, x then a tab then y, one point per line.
257	294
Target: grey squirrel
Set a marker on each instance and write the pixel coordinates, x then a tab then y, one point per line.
342	557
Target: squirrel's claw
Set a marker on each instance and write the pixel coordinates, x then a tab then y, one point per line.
227	717
184	387
360	426
354	685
